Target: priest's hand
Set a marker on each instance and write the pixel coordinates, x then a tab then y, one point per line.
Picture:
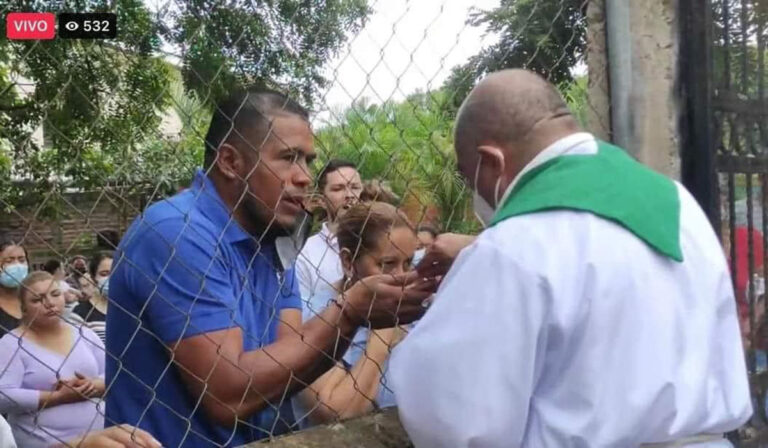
439	256
384	301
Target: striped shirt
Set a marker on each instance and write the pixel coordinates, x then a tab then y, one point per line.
93	318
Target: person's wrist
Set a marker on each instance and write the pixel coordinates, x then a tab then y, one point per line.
347	304
378	346
55	398
377	351
346	321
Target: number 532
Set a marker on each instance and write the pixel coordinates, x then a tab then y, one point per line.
96	25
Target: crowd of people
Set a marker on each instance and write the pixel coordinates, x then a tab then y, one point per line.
585	314
51	344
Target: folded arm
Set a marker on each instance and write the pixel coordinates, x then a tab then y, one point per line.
342	393
239	383
14	397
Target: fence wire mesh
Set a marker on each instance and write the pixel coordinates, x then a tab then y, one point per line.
100	146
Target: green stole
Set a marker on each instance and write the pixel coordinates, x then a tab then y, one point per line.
609	184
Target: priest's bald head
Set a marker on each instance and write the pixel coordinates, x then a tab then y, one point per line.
506	120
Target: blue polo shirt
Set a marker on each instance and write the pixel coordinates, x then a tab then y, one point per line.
185	267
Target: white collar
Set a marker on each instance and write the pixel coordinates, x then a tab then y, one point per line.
325	229
572	144
328	237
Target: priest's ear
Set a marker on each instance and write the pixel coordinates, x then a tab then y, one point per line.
346	263
492	159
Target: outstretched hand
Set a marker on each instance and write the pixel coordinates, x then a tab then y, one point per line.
384	301
440	255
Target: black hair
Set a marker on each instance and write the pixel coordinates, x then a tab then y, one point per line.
93	265
107	239
6	242
330	167
246	110
429	229
51	265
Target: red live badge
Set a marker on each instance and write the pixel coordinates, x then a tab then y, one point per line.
30	25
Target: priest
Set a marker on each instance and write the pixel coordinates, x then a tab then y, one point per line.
595	310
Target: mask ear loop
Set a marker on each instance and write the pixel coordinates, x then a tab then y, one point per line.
495	188
477	169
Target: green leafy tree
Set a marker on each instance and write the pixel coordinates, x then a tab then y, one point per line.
546	36
96	101
409	145
243	42
166	162
101	104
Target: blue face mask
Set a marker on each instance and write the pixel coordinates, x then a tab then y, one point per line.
12	275
104	286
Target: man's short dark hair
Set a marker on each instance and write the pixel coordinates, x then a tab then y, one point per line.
427	228
246	110
52	265
330	167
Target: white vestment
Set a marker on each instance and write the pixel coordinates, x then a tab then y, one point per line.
563	329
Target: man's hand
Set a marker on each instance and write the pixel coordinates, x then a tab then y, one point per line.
123	436
439	257
383	301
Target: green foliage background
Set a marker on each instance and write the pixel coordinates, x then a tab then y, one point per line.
102	104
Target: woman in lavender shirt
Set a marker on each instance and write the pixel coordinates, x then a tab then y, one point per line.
51	373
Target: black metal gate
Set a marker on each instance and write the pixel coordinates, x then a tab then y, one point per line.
725	156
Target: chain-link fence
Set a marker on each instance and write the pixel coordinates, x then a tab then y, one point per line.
169	216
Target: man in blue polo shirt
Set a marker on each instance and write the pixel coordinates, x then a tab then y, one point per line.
204	338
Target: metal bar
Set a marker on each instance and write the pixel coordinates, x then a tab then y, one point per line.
750	277
729	101
618	27
697	144
726	44
760	75
744	48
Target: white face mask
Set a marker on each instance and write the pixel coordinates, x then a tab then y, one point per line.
483	210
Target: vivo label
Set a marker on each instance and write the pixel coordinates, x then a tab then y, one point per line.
30	25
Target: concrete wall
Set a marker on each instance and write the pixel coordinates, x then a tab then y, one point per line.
654	121
380	430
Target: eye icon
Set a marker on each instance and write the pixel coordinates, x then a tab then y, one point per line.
71	26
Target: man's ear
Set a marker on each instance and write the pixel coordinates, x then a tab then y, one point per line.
346	263
493	157
229	161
